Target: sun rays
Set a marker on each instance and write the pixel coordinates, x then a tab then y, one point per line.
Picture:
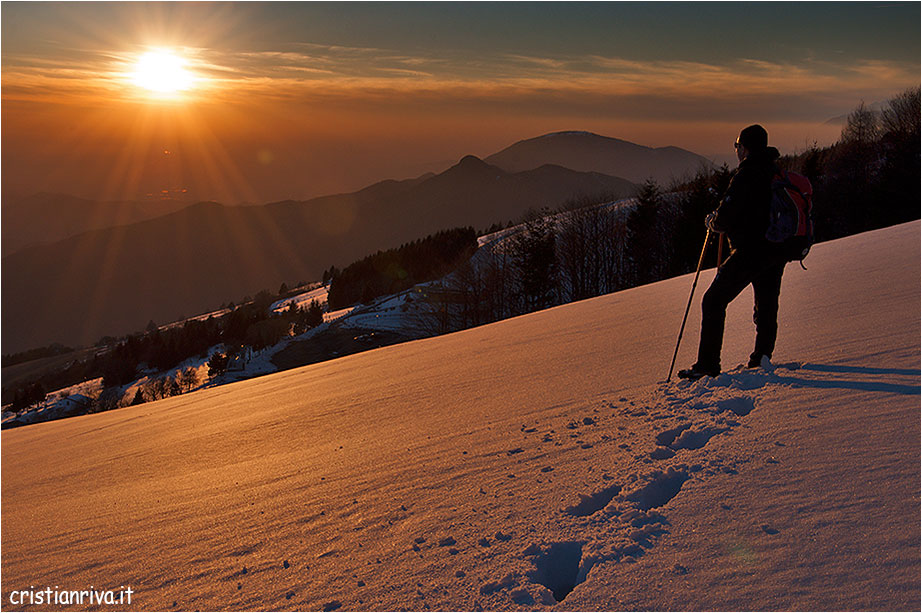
163	73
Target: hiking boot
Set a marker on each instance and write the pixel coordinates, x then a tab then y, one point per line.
696	372
757	360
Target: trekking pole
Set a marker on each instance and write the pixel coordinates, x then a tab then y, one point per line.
707	237
720	249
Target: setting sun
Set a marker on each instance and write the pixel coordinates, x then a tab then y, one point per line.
162	72
460	306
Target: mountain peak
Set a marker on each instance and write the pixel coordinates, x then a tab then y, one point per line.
471	164
471	161
571	133
589	152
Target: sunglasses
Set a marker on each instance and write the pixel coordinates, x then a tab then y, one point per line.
737	145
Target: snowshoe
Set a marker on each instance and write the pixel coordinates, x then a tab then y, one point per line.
694	373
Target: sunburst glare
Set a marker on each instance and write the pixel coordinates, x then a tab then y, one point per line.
163	74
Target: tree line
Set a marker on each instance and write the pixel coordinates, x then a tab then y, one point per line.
55	349
392	271
869	179
251	324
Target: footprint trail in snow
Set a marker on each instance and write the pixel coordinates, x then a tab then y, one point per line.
624	518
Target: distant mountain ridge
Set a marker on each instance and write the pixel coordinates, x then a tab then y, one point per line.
110	273
589	152
47	217
114	280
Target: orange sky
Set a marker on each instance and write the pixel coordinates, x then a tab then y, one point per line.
278	111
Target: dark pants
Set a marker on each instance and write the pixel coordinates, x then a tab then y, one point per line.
763	271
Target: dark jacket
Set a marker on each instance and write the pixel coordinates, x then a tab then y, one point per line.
744	210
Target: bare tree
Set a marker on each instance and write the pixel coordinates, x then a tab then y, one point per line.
862	126
535	260
478	292
590	251
901	115
188	379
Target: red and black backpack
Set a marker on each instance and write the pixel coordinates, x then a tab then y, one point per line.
791	215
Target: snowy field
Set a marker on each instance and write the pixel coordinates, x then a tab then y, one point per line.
302	300
537	463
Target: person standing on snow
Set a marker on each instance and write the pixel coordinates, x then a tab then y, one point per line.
743	215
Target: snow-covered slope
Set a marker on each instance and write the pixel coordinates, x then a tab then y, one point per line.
501	466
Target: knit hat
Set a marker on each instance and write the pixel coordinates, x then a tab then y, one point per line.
754	138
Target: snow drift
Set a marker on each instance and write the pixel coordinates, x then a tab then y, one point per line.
534	463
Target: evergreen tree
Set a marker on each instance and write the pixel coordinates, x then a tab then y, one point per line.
697	198
314	314
217	365
645	237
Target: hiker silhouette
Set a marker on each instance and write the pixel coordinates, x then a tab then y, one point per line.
743	215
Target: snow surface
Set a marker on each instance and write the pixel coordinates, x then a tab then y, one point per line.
501	466
68	401
405	312
303	299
